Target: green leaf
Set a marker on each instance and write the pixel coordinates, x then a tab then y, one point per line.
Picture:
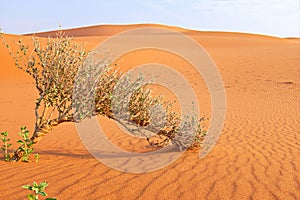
5	134
43	193
51	199
26	134
29	151
31	197
44	184
28	187
21	148
20	142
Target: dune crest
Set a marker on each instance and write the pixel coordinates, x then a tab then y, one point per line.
109	30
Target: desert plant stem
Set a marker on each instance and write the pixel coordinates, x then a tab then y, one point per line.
45	128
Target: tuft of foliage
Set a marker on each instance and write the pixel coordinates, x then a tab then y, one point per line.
134	105
26	144
141	106
37	189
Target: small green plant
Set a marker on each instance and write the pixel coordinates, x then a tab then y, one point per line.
25	149
4	138
38	189
26	145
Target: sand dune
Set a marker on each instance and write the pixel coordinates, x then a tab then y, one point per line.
109	30
257	155
105	30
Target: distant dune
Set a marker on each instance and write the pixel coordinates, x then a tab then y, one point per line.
105	30
257	155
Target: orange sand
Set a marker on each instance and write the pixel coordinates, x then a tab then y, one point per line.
256	157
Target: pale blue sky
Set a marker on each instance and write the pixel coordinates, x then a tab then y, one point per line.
270	17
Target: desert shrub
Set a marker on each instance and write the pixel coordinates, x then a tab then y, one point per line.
54	68
140	106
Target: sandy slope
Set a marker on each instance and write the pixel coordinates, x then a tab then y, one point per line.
257	156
